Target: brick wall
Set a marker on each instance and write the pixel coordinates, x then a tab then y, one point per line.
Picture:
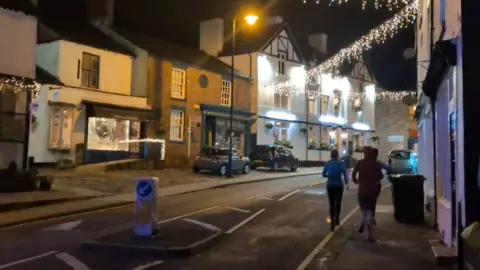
176	152
391	118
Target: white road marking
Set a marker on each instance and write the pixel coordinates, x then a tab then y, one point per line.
238	209
324	242
266	193
288	195
236	227
186	215
67	226
7	265
72	261
202	224
147	265
329	236
316	183
265	198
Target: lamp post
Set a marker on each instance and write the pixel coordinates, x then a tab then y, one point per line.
250	19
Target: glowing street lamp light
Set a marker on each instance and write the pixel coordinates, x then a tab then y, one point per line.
251	19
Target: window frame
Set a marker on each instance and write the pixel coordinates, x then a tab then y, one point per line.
179	83
282	58
281	97
87	70
179	116
61	130
312	108
226	93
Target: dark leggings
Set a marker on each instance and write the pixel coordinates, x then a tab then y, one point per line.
335	194
374	208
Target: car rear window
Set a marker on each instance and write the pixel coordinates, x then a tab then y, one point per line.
262	149
403	155
214	152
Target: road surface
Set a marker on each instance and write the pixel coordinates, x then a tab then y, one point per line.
269	225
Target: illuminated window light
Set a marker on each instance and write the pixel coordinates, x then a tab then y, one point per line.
360	126
281	115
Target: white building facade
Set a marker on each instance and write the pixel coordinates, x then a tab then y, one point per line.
18	26
92	113
309	122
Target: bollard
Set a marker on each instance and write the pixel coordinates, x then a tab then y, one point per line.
146	214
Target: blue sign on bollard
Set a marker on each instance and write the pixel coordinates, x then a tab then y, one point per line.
144	189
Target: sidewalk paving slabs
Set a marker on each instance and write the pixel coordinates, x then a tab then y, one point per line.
100	203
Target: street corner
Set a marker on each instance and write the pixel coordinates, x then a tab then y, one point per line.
175	238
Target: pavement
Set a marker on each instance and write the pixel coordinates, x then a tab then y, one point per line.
396	246
277	224
74	205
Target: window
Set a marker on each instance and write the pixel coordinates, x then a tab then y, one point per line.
90	70
61	121
178	83
337	101
281	62
280	131
226	93
177	125
311	106
324	105
281	101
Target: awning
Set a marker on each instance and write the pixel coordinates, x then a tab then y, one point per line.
118	112
444	56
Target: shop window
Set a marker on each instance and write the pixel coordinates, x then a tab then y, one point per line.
177	125
312	102
61	122
178	83
280	131
281	101
313	137
226	93
134	146
90	70
108	134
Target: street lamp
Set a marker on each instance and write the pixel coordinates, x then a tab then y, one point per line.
250	20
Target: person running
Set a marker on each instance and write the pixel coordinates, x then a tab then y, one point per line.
369	176
387	169
333	171
349	163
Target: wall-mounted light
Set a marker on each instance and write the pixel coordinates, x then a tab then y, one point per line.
360	126
332	119
332	134
281	115
344	135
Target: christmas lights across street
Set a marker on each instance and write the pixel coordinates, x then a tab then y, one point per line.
17	84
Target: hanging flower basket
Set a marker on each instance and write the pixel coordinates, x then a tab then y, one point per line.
269	126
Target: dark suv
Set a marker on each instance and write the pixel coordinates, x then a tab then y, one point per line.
274	157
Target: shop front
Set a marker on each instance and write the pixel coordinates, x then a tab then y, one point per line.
216	131
113	133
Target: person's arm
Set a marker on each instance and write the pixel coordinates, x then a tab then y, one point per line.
354	173
325	170
344	172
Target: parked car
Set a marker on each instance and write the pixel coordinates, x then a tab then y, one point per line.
216	160
274	157
402	161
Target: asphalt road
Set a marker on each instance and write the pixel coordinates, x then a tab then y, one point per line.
269	225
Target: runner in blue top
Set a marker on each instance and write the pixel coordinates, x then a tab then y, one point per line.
333	171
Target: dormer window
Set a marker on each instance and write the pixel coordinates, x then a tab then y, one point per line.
282	56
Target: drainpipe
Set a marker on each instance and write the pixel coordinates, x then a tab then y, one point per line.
434	112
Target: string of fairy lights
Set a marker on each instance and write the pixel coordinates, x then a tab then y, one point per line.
378	35
390	4
16	85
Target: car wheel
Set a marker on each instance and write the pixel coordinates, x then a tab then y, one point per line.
222	171
294	168
275	166
246	169
196	170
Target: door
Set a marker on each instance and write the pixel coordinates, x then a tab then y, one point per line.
452	177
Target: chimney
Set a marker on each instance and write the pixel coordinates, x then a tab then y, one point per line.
101	11
211	36
318	41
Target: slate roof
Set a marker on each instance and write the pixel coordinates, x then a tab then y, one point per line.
24	6
165	49
44	77
255	39
82	33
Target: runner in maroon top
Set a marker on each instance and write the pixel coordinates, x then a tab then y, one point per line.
369	176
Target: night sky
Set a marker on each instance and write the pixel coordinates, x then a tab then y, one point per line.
178	21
